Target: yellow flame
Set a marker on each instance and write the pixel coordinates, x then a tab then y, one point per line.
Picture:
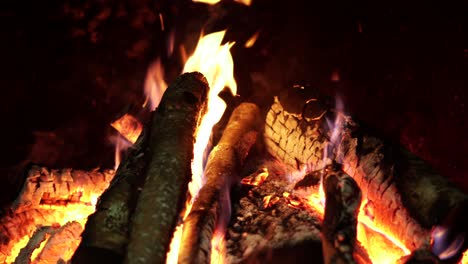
212	2
215	62
251	41
38	250
218	250
155	86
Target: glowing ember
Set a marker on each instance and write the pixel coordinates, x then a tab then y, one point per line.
215	62
256	179
155	86
129	127
251	41
443	248
40	248
464	259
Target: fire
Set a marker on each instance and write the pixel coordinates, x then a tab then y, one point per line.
212	2
256	179
251	41
155	86
381	245
215	62
464	259
129	127
442	247
219	248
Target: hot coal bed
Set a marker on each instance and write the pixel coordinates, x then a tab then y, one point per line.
303	138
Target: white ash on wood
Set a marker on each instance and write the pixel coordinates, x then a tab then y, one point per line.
407	197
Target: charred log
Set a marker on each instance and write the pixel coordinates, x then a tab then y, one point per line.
170	153
343	199
106	232
221	172
400	188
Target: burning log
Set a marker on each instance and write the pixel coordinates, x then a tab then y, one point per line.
343	199
44	186
61	245
404	194
106	233
221	172
170	153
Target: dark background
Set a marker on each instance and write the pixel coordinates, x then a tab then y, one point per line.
69	68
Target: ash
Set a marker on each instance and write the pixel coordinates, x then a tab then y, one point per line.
266	227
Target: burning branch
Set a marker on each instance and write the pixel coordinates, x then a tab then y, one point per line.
212	207
171	150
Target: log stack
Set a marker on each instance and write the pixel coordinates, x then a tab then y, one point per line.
406	195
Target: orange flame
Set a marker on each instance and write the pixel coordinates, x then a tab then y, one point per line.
155	86
218	251
215	62
251	41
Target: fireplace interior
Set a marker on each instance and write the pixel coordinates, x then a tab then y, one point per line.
343	140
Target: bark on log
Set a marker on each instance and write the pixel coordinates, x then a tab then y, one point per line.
106	232
45	186
211	208
406	196
171	150
61	245
343	199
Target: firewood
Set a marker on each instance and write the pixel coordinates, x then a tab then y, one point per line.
106	232
420	256
61	244
343	199
15	226
39	236
221	172
170	153
46	186
406	196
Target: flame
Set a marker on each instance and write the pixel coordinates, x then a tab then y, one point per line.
441	247
62	214
212	2
40	248
251	41
215	62
381	246
155	86
130	129
464	259
256	179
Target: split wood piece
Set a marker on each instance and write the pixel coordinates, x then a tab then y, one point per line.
343	199
406	196
15	226
35	242
61	245
106	232
171	141
211	208
46	186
